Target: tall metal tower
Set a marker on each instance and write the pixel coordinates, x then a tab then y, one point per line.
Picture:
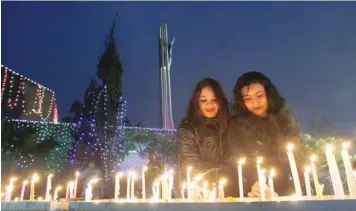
165	61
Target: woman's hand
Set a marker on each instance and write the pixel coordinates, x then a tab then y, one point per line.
255	191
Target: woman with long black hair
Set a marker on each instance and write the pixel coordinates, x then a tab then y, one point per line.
263	126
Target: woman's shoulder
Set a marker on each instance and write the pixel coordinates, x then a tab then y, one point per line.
187	124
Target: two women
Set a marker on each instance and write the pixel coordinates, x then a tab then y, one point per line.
262	126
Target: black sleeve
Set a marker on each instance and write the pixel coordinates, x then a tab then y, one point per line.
188	150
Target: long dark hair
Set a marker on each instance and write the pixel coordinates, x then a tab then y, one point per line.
194	111
275	100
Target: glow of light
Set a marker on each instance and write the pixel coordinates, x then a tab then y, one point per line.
313	158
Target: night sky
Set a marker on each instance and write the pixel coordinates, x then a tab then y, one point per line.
307	49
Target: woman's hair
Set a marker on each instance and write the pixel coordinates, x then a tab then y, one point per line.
194	112
274	99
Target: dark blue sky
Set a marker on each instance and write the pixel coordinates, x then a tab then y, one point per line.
308	49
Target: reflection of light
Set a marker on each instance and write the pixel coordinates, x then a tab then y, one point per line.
242	161
345	145
290	147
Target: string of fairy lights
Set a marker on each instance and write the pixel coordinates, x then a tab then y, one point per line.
13	85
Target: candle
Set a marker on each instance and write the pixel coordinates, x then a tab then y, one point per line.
351	183
23	190
307	181
67	191
164	182
9	189
184	186
117	185
239	169
334	173
261	182
188	183
196	187
205	191
170	184
293	167
89	190
76	183
144	183
315	178
71	190
213	194
35	178
55	196
221	190
128	186
49	187
271	184
133	177
158	189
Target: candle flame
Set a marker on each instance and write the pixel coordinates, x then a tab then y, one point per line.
242	161
171	171
307	169
25	182
77	173
290	147
189	168
272	173
71	184
313	158
35	177
50	175
133	176
329	148
17	198
345	145
205	184
59	188
223	181
144	168
119	174
198	178
13	179
259	160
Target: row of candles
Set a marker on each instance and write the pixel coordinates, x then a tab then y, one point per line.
333	170
162	186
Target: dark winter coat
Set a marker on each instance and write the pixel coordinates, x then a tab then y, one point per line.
251	136
202	146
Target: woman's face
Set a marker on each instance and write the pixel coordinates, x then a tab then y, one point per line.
255	99
207	103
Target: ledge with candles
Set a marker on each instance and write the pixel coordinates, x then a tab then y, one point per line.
199	191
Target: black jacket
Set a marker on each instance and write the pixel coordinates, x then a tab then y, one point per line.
252	136
202	146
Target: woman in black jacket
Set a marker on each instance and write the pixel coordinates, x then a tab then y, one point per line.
263	126
201	135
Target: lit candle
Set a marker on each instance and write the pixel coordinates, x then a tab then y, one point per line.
76	183
89	190
117	185
351	183
214	193
293	167
239	169
55	196
49	187
128	186
144	183
133	186
271	184
196	187
188	183
71	190
170	183
315	178
67	191
165	187
263	184
184	186
221	190
334	173
35	178
307	181
9	189
205	191
23	190
261	181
